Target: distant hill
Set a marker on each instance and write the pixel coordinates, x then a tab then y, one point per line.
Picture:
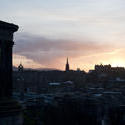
38	69
47	69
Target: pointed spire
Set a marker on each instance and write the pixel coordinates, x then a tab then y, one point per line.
67	65
67	61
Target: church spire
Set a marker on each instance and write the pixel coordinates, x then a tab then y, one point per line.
67	65
67	61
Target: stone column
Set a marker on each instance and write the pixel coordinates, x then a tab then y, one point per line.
10	110
6	43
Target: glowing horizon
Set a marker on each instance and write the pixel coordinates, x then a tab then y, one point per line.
27	63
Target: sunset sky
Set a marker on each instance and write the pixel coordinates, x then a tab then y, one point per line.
89	32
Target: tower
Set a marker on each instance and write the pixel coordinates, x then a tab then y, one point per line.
67	65
20	68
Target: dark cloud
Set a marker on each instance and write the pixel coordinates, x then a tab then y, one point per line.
48	51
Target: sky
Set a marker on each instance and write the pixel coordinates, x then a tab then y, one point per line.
88	32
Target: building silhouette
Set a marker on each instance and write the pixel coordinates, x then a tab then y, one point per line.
108	68
20	68
103	68
67	65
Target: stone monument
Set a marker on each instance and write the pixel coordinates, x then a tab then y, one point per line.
10	110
